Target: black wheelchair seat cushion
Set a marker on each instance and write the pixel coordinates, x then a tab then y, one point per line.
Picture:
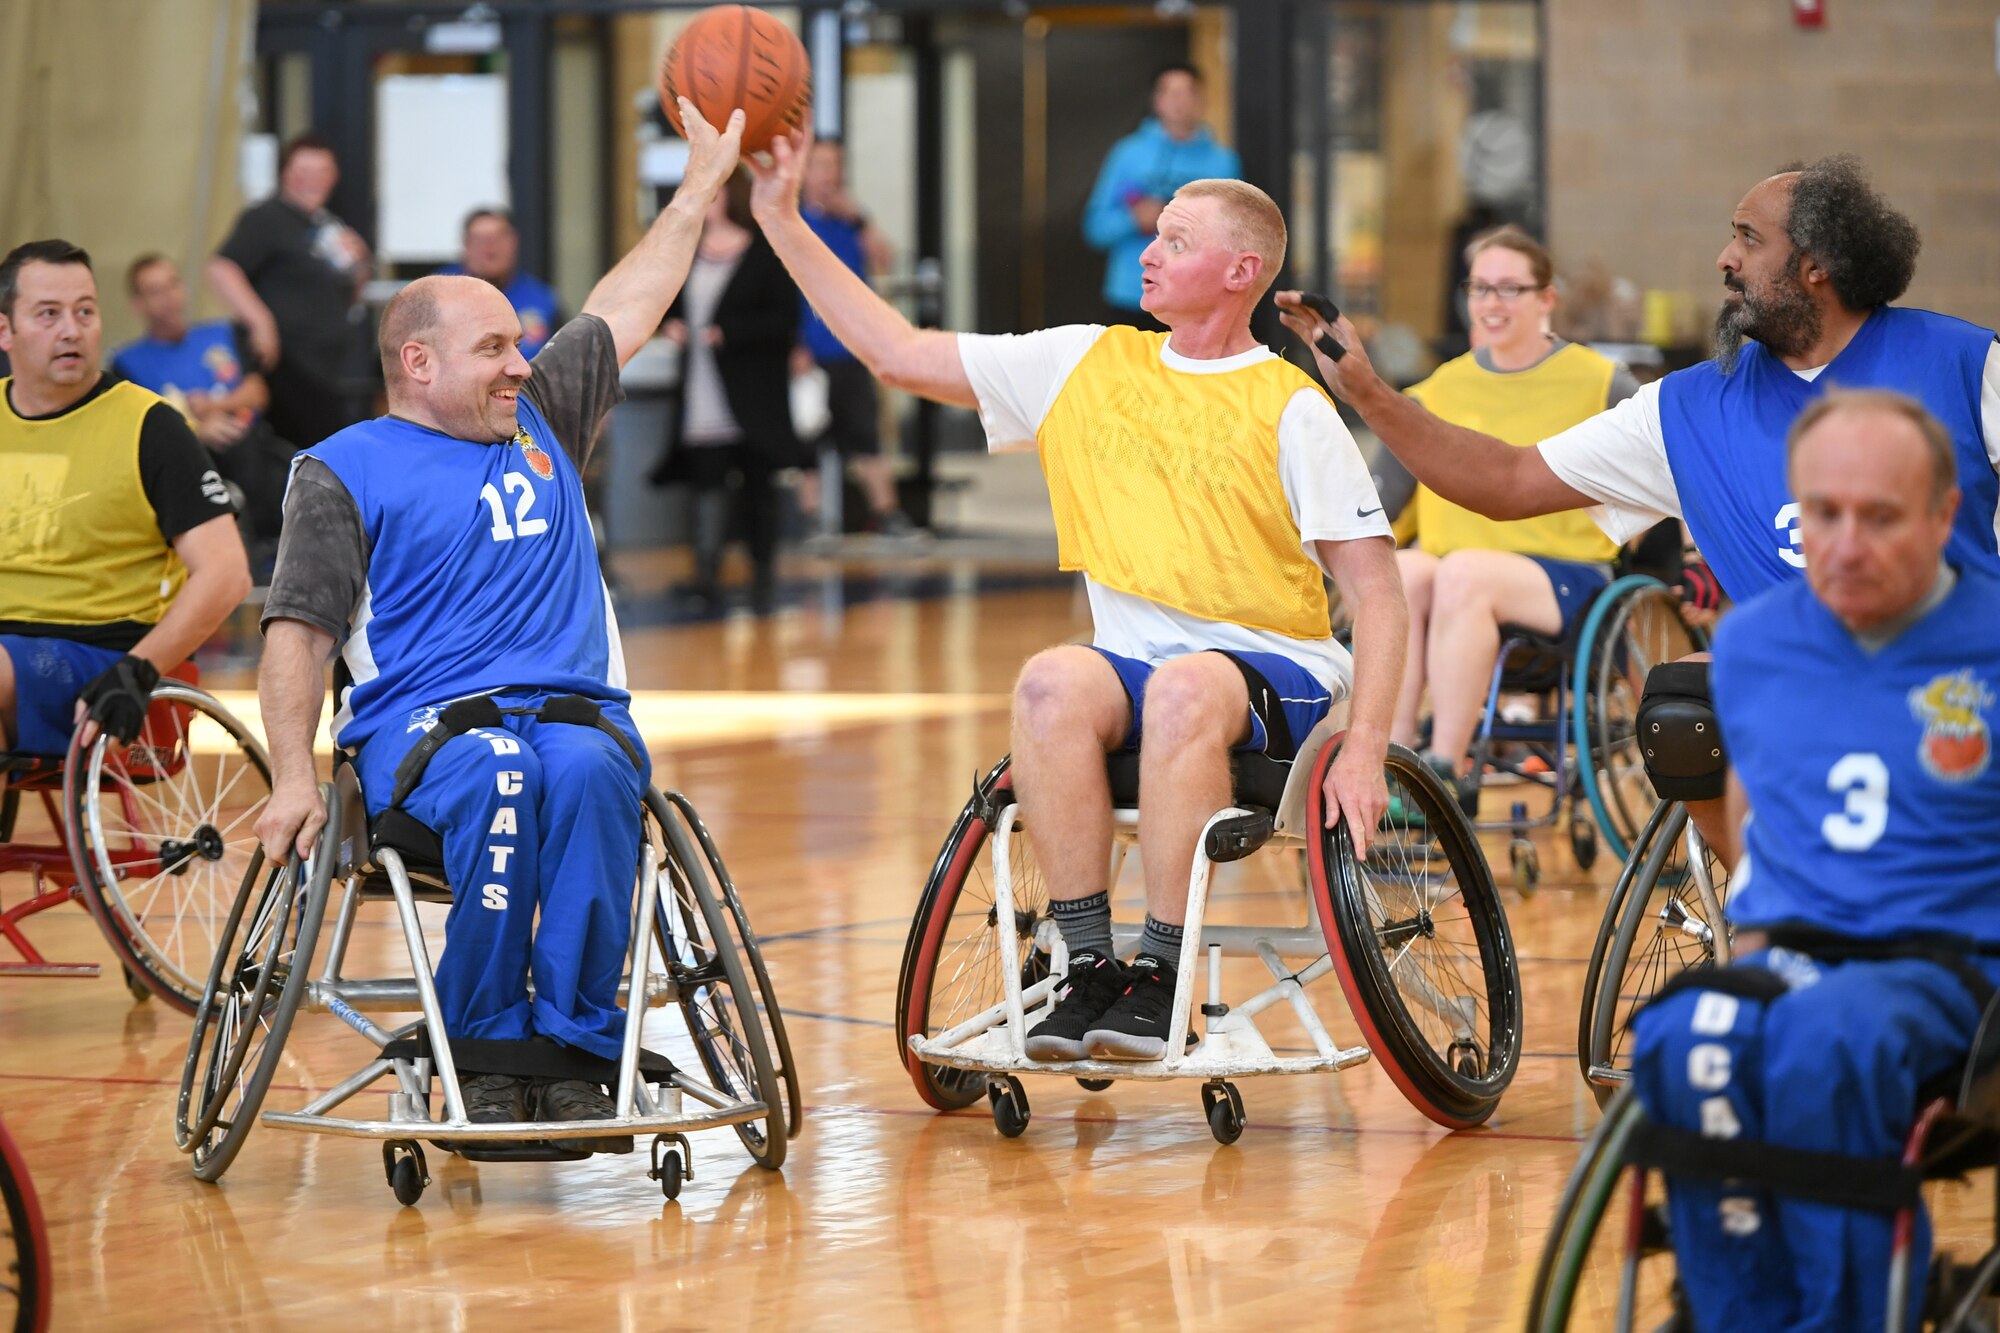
1256	780
417	842
537	1057
1535	661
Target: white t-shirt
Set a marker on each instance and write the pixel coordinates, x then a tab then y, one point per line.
1619	457
1332	496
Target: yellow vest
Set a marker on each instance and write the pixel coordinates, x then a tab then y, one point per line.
1523	408
1165	485
79	542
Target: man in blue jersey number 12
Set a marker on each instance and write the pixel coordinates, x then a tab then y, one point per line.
446	551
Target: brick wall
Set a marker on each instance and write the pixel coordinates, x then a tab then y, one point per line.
1662	113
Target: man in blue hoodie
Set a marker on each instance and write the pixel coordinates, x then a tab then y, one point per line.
1171	148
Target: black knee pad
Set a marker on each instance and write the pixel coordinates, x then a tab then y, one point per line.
1679	735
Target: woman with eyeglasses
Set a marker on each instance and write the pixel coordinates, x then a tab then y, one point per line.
1466	575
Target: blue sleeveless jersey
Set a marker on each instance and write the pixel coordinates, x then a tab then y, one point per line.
1725	438
1873	792
482	573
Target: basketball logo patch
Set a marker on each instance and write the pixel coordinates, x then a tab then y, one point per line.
544	466
1957	744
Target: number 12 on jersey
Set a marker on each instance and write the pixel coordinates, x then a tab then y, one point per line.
524	500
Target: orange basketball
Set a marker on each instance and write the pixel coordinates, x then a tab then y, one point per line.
734	56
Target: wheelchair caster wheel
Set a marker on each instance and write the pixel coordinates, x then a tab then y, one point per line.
134	987
1010	1106
403	1163
1094	1084
670	1174
1223	1105
1583	841
1526	864
673	1163
1464	1059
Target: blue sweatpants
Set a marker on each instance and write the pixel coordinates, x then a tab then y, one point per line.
534	815
1832	1065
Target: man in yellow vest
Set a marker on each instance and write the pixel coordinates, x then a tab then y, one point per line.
118	546
1202	485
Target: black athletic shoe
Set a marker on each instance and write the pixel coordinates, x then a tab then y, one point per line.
1135	1027
1094	981
491	1099
574	1099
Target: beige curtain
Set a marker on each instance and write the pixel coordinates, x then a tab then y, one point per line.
119	124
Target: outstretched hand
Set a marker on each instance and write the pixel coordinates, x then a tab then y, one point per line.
776	191
712	153
1349	374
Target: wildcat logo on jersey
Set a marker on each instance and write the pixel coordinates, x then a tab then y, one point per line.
1957	744
544	466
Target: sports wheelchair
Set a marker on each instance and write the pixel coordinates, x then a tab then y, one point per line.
153	837
1664	917
24	1245
1584	738
1416	936
1591	1276
691	945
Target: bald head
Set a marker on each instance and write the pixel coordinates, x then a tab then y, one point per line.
450	357
1874	475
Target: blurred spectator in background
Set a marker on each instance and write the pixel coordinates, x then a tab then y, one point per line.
1169	149
737	320
291	273
855	428
492	252
202	370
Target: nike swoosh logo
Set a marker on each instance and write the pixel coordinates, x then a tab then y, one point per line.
1364	513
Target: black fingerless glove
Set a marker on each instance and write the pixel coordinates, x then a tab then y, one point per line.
1699	588
118	699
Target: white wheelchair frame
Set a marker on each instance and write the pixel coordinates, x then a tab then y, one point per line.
660	1108
994	1040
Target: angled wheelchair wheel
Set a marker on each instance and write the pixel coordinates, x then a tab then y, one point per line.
951	960
1420	943
1607	931
24	1245
1671	920
1633	626
738	919
1592	1275
161	832
697	941
255	986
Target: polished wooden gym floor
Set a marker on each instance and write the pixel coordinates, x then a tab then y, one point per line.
829	749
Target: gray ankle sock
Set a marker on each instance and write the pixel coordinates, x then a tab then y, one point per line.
1163	942
1085	923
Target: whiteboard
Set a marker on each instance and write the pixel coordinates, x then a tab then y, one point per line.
440	152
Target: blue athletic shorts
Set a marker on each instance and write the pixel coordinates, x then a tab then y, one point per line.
1575	583
1304	700
48	676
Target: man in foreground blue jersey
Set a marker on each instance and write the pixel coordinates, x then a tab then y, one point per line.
1815	260
1858	708
447	550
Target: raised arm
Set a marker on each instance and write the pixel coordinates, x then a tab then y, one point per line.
919	361
1484	474
1365	572
290	684
633	297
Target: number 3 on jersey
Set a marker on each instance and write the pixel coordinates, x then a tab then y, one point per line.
524	500
1864	780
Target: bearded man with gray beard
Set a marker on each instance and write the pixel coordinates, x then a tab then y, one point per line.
1814	261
